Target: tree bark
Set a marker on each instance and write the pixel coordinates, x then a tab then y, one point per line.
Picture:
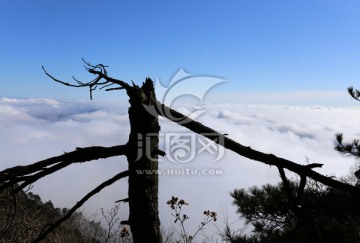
143	164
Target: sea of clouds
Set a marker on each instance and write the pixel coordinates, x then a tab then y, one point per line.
35	129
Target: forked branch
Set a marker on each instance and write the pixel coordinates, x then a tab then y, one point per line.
28	174
101	79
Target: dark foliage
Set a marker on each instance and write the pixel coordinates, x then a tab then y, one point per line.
354	93
25	220
351	148
324	215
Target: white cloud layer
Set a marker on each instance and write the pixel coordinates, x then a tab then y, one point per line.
323	98
35	129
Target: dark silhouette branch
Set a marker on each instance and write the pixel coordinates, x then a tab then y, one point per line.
111	89
28	174
101	74
286	186
125	200
252	154
288	190
49	228
314	165
301	189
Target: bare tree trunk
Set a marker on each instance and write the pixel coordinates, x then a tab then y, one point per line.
143	164
141	152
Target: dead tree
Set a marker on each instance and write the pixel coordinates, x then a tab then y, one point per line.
143	189
144	129
142	152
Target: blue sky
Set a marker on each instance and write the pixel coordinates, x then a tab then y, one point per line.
257	46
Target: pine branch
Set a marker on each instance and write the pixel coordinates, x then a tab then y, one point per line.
352	149
354	93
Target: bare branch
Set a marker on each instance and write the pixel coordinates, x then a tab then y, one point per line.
288	190
125	200
252	154
28	174
107	86
286	183
101	73
301	189
111	89
49	228
62	82
90	65
314	165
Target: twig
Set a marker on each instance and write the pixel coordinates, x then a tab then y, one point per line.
49	228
